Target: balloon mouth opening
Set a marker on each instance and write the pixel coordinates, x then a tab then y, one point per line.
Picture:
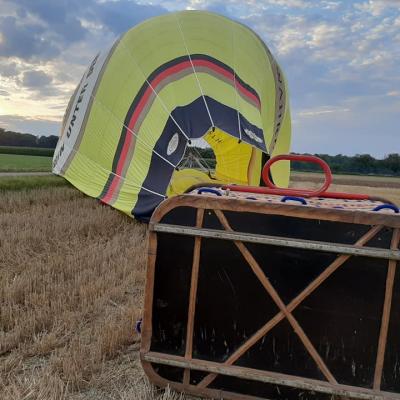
216	157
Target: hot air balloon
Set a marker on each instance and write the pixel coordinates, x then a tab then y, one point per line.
168	84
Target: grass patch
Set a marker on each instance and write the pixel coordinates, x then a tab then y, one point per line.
14	183
29	151
23	163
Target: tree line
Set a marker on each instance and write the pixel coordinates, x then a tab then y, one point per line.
10	138
358	164
341	164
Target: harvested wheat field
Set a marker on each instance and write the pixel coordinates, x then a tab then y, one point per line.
71	288
386	187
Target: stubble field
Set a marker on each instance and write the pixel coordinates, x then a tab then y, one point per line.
386	187
71	288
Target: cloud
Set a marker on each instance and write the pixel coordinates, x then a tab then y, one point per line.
4	93
24	40
290	3
36	79
45	28
376	7
41	28
8	69
61	17
119	16
330	5
322	110
325	35
38	84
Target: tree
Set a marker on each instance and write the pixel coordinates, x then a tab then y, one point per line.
10	138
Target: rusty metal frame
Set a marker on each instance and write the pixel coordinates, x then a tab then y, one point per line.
330	386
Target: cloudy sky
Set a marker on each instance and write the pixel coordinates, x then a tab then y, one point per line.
341	58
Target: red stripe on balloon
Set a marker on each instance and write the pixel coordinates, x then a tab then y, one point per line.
129	138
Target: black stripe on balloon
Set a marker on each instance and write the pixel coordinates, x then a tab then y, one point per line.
106	186
226	68
142	91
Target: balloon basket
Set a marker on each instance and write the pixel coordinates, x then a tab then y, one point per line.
249	296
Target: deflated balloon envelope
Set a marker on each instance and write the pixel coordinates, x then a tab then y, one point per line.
144	104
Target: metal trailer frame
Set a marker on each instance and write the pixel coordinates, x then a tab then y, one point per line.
151	359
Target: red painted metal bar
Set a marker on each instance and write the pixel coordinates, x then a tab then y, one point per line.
294	192
301	158
275	190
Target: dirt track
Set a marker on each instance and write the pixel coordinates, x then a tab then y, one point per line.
10	174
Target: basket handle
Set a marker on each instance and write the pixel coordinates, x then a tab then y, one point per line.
297	192
209	190
293	198
387	206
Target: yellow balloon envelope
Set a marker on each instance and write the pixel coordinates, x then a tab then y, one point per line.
163	85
